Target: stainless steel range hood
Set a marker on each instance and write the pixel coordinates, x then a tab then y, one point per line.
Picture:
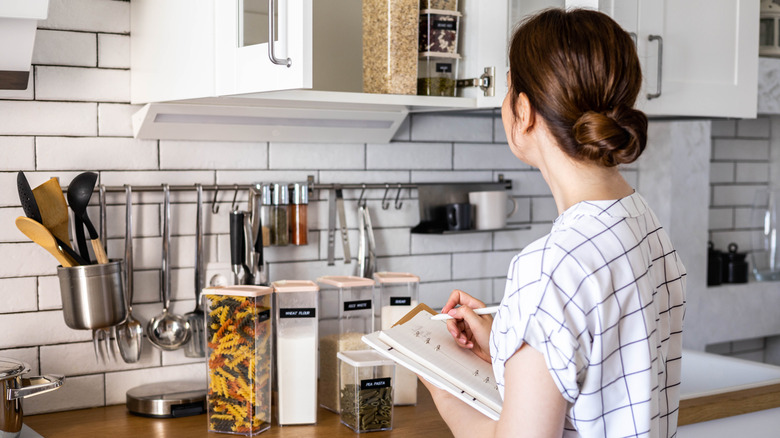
18	23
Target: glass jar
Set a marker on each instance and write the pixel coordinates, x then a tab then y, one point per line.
398	295
345	316
295	322
280	215
366	390
298	214
390	46
239	345
265	213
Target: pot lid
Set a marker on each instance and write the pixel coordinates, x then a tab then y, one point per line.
10	368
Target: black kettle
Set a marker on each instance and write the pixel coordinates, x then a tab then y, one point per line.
735	267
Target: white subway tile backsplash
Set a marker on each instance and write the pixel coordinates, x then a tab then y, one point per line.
436	294
409	156
486	156
724	128
76	393
756	128
18	153
528	183
146	286
427	267
452	127
19	295
453	176
38	328
54	47
481	264
752	172
77	359
316	156
146	220
118	383
82	84
49	297
260	176
113	51
407	216
359	177
451	243
499	133
88	15
115	119
522	213
95	153
740	149
61	118
732	195
722	172
212	155
516	240
721	218
26	259
743	218
722	239
543	210
9	232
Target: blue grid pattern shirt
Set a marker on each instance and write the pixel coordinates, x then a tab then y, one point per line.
602	298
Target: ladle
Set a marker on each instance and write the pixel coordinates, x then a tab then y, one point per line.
79	192
167	331
130	333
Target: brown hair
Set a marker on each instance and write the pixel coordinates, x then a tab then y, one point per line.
581	73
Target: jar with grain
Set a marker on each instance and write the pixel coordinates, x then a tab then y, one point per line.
366	384
299	214
390	46
449	5
437	74
439	31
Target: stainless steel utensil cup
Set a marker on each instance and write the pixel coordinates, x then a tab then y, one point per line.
92	295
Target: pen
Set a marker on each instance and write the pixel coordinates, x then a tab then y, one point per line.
481	311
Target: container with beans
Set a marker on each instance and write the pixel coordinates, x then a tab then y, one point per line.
439	31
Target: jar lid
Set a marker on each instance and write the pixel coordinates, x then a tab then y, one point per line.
300	193
238	291
10	368
363	358
281	196
395	277
345	281
265	194
295	286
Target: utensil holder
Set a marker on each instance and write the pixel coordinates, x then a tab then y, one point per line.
93	295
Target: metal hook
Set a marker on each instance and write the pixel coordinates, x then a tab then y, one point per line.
398	202
214	206
234	205
361	201
385	202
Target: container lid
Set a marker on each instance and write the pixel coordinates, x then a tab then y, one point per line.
345	281
395	277
441	12
10	368
295	286
300	193
281	195
265	194
363	358
238	291
447	55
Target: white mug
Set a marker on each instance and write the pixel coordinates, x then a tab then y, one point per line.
491	209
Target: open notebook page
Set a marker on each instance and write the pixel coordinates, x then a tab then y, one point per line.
429	343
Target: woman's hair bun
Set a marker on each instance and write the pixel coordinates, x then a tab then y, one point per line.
612	137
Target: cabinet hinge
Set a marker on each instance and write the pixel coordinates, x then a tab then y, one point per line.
486	82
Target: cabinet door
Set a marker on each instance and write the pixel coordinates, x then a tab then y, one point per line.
243	64
485	31
709	64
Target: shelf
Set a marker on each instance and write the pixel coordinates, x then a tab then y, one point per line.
418	230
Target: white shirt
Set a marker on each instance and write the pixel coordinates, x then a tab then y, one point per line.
602	298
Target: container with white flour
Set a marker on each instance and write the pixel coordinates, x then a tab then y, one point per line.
295	320
398	295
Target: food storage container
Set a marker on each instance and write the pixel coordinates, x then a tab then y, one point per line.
366	390
14	388
390	46
295	329
439	31
449	5
398	295
346	315
239	345
437	74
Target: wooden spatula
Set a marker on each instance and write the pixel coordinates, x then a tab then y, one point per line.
54	209
36	232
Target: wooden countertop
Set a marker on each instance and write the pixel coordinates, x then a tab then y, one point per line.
422	420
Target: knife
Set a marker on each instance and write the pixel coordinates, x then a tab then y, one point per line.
237	245
343	223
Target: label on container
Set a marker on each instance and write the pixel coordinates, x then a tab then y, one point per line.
302	312
357	305
443	67
400	301
375	383
444	25
265	315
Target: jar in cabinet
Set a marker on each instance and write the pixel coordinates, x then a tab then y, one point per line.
390	46
437	74
239	345
439	31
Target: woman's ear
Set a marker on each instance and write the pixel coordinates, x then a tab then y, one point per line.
525	114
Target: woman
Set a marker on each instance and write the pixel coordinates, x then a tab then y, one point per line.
587	340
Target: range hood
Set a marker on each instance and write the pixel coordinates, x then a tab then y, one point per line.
18	23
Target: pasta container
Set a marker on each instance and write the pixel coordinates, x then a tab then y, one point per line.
239	345
366	390
390	46
398	295
346	314
439	31
437	74
295	327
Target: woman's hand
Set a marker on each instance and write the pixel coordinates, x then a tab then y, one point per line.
470	330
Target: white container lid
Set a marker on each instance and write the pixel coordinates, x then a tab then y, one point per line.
395	277
283	286
345	281
441	12
364	358
238	291
424	55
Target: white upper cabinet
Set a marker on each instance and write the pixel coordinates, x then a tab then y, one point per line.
699	57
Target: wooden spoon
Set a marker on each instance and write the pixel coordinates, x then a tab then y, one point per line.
38	233
53	208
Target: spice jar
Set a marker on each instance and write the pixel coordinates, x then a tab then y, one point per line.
280	215
390	46
345	316
398	294
298	214
366	390
295	328
238	325
265	213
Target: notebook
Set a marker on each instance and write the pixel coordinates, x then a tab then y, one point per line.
426	348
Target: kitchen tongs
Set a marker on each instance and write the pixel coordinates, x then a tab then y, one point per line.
366	242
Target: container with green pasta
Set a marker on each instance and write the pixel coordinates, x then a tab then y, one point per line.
366	382
437	74
238	325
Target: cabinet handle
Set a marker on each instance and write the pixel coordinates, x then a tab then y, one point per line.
660	64
271	33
